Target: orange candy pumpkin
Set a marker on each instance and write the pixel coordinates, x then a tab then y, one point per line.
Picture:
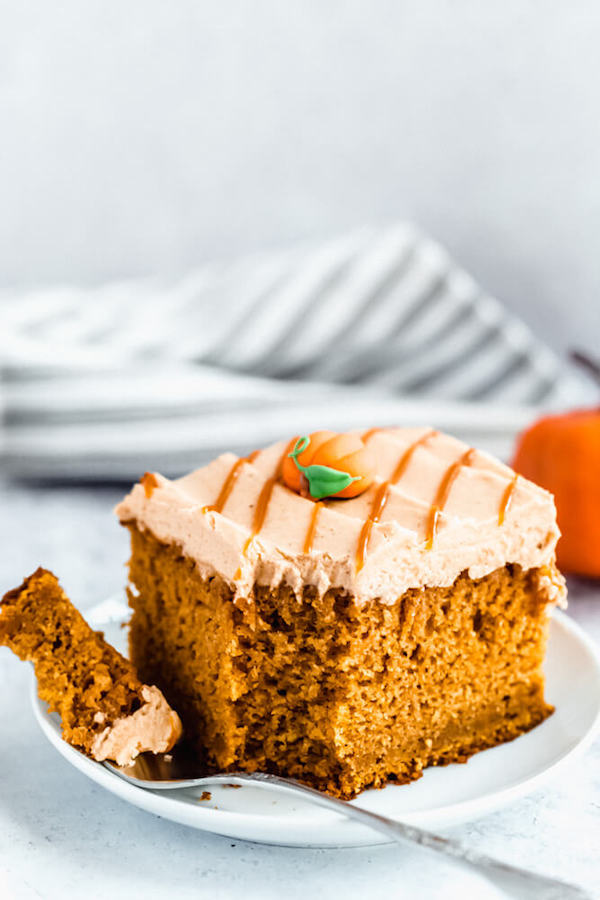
562	454
345	453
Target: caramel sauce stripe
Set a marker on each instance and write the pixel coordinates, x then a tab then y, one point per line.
312	528
506	499
148	482
381	497
264	498
227	486
443	493
379	502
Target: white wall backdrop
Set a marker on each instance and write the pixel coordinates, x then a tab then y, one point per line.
145	136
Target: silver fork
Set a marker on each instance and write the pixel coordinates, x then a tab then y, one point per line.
177	770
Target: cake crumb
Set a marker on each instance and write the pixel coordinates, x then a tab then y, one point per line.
205	795
82	677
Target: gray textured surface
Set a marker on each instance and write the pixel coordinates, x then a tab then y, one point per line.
145	136
62	836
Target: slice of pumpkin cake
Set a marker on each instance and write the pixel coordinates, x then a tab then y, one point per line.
106	711
345	609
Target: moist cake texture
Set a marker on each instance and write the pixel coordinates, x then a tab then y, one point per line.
347	643
106	711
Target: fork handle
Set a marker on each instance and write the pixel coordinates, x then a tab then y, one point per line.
522	882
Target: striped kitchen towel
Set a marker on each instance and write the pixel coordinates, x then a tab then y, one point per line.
376	327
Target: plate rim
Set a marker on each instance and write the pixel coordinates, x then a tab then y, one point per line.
270	828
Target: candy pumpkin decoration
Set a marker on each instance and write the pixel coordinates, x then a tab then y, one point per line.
562	454
326	464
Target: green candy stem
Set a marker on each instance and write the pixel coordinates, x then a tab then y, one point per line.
323	481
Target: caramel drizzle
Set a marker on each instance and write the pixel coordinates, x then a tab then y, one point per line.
260	513
229	483
379	502
381	497
443	492
227	486
264	498
148	482
312	528
407	456
506	499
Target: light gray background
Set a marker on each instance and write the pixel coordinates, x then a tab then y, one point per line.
146	136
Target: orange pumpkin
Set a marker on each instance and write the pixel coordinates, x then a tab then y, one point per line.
562	454
339	453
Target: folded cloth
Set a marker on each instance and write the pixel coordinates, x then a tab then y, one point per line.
378	326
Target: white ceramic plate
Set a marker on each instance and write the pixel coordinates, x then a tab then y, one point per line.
442	797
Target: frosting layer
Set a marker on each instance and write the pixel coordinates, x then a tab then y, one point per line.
395	536
154	727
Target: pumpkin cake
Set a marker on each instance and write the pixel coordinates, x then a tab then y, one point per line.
345	609
105	709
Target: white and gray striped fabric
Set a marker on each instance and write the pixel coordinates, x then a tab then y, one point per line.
376	327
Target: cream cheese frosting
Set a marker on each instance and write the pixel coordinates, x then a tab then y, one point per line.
153	727
473	533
